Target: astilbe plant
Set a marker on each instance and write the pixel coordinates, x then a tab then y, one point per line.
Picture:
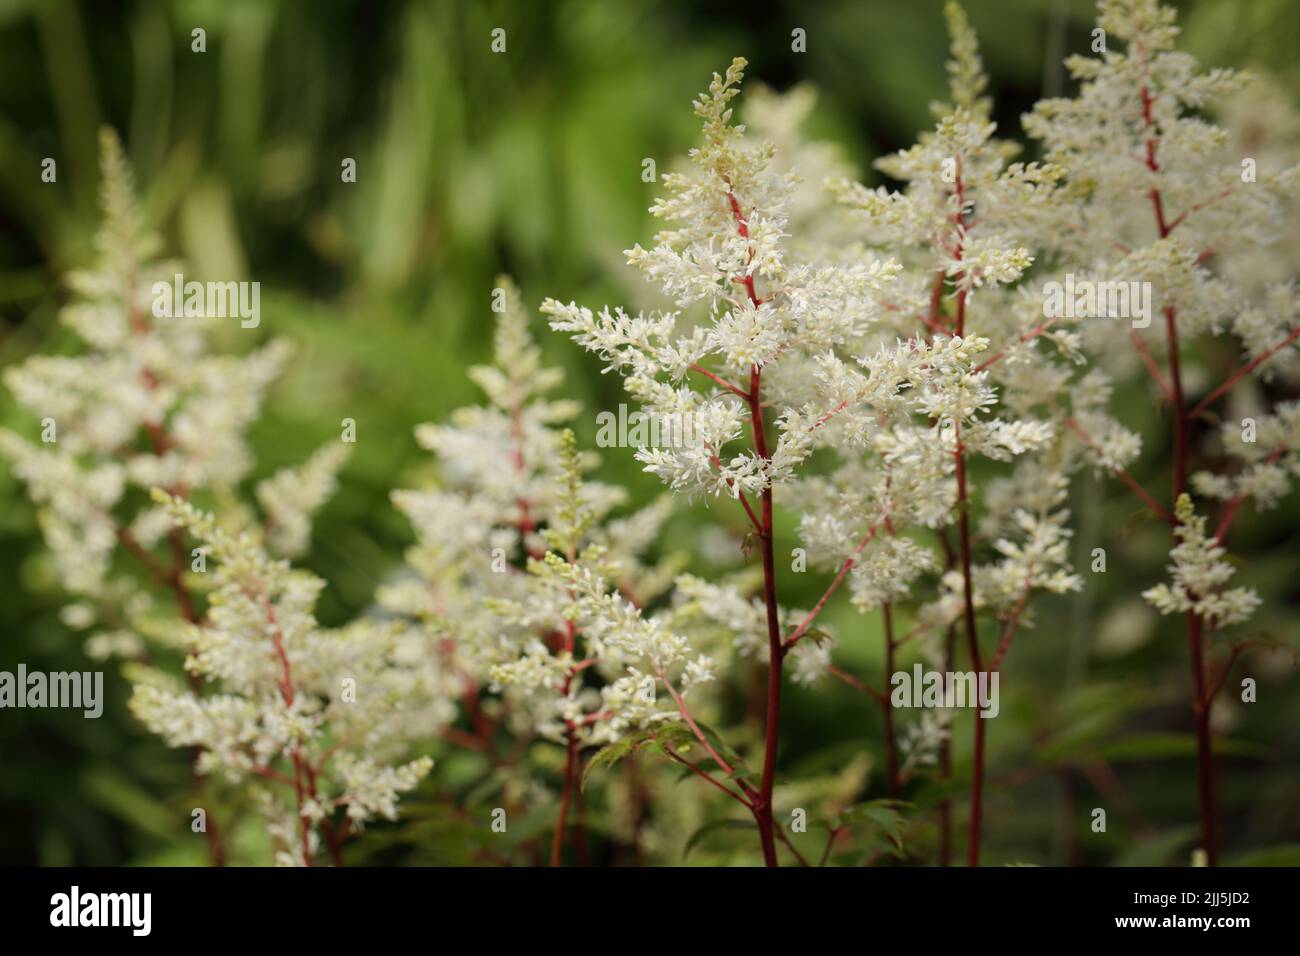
312	721
1159	194
762	353
528	590
150	406
856	355
981	385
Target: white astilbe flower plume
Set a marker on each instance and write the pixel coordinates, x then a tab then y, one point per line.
572	619
492	582
1160	195
314	715
730	216
1199	573
955	367
146	404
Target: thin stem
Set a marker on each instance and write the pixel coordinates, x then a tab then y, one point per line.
333	838
842	675
886	704
1233	653
831	837
776	653
740	496
1242	372
1204	754
1160	510
781	835
569	642
1180	411
705	775
1196	207
734	389
964	545
1013	624
566	795
287	695
1234	504
1204	749
1020	340
972	643
845	568
699	734
161	442
1149	361
945	765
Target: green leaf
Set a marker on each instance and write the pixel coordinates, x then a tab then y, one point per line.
118	795
655	739
715	826
1162	850
724	750
1088	715
607	756
1162	746
1287	854
885	816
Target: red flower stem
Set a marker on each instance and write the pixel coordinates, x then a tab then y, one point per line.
800	631
945	765
1222	679
791	847
682	709
1013	624
1160	510
160	442
705	775
776	653
566	795
333	838
964	549
842	675
1230	509
740	496
1204	751
569	642
1197	207
734	389
1024	337
972	643
287	695
887	706
749	510
1242	372
1154	370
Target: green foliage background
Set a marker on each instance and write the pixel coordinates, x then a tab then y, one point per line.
470	164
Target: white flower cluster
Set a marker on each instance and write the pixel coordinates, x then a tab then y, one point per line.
1158	195
150	406
318	711
1199	573
730	216
146	405
522	581
979	382
1268	463
881	356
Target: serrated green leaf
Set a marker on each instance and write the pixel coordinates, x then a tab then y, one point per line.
884	815
607	756
715	826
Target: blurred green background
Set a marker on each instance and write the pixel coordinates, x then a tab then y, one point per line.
471	163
